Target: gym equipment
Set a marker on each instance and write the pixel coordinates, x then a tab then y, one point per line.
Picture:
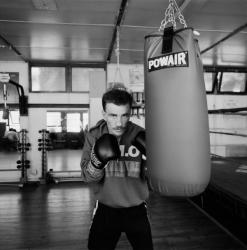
64	176
138	107
2	129
23	100
49	176
23	164
118	78
12	136
5	109
44	145
177	133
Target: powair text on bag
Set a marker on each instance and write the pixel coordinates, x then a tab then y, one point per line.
177	59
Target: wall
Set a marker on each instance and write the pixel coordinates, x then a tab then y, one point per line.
97	88
36	119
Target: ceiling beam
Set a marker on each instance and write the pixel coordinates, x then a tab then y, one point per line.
12	47
119	19
184	5
234	32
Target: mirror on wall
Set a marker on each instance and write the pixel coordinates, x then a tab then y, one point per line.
67	134
9	129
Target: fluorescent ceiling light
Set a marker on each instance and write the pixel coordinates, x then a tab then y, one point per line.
45	4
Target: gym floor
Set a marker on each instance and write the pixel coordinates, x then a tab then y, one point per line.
58	217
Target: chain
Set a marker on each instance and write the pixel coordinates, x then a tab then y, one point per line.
180	16
117	51
171	13
5	95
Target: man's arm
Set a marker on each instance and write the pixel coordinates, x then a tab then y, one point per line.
94	161
89	172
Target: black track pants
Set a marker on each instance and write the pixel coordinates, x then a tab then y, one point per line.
109	223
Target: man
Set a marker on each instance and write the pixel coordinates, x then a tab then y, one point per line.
111	161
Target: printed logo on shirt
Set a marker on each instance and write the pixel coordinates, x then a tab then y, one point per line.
128	165
130	152
177	59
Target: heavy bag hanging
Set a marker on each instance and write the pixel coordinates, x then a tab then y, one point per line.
177	133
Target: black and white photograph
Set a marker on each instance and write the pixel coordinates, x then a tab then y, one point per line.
123	124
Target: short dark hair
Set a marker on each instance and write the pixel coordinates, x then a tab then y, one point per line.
117	96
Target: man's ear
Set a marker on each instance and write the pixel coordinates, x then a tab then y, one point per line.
104	114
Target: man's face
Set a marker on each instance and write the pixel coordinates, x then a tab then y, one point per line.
116	117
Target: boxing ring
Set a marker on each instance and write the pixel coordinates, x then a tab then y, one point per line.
229	176
225	198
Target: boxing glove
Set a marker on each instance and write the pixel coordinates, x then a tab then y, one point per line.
106	148
140	142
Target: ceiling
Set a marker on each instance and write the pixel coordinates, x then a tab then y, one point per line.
80	31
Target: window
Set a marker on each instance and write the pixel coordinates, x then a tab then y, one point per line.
80	79
85	120
54	121
233	82
62	78
13	121
48	79
66	121
74	123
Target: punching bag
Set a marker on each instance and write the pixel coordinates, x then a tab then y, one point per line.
177	132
